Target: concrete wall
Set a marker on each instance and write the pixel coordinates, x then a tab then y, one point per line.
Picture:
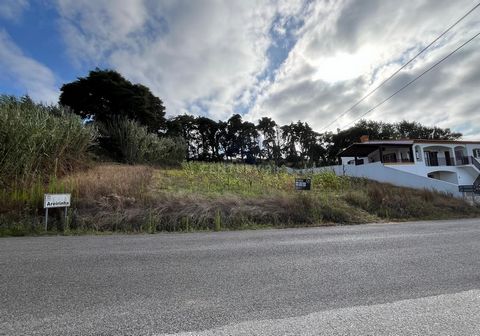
378	172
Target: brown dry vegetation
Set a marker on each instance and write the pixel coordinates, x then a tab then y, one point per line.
123	198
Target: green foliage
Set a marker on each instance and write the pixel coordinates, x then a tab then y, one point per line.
391	202
105	94
199	196
382	131
38	142
135	144
221	178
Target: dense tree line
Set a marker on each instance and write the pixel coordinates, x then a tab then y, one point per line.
295	144
104	95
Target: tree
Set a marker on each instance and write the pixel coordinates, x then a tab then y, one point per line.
267	128
248	140
290	141
105	94
232	142
184	126
207	140
415	130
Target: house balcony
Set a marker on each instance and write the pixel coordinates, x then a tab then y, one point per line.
459	161
468	160
390	160
431	162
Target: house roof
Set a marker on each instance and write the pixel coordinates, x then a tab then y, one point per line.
461	142
362	149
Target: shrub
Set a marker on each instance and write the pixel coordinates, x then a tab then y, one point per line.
357	198
38	142
133	143
328	181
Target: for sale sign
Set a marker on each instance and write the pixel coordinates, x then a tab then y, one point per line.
303	183
56	201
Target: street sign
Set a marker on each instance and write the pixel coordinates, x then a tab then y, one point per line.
55	201
303	183
465	188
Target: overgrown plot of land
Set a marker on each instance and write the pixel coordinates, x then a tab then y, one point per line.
202	196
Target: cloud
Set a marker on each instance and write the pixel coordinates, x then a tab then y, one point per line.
25	73
290	60
12	9
202	56
346	48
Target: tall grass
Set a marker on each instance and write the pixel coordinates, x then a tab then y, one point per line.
199	196
38	142
245	180
134	144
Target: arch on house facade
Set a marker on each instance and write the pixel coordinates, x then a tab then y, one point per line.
447	176
438	155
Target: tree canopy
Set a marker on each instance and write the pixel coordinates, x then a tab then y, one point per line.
294	144
107	97
106	94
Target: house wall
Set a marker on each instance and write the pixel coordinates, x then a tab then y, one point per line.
465	175
461	175
451	177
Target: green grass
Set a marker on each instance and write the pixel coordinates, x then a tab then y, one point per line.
200	196
38	142
243	180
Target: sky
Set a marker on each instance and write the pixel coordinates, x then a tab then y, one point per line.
289	60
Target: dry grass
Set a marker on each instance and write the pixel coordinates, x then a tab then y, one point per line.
391	202
112	197
110	181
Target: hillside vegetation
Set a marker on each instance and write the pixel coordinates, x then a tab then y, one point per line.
38	142
109	144
201	196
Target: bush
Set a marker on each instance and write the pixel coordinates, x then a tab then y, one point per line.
39	141
132	143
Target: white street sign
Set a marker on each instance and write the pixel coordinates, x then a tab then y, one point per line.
56	201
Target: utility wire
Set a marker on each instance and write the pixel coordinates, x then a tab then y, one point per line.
402	67
414	80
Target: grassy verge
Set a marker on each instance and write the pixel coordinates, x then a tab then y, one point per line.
197	196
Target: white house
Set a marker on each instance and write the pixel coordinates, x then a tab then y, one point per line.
443	165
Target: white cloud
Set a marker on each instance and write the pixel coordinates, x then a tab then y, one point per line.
12	9
348	47
25	73
208	55
190	53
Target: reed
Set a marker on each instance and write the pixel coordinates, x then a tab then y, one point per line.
39	143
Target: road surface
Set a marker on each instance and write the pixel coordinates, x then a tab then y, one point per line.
416	278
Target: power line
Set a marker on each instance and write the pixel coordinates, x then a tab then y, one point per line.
402	67
415	79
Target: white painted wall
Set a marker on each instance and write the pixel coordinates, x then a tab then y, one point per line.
465	175
378	172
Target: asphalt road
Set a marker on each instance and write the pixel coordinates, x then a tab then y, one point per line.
379	279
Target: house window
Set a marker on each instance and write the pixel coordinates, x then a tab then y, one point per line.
389	158
476	153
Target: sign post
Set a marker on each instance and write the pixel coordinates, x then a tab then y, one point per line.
303	184
55	201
